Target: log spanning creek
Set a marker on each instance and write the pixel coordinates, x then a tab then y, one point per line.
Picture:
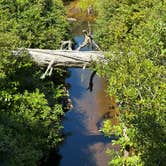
85	145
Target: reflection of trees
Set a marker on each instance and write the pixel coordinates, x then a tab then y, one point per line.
106	104
53	159
80	141
90	87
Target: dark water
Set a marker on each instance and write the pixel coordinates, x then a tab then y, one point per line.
85	144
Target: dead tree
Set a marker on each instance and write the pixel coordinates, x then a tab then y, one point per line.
88	39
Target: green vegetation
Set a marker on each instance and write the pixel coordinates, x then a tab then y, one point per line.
30	116
38	23
85	4
135	34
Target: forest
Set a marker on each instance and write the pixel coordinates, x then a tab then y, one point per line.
132	34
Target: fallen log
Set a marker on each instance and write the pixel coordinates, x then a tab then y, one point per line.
67	58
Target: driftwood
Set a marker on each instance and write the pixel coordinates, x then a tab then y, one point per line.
66	45
66	58
71	19
88	39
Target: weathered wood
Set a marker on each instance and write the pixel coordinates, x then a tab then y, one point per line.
68	58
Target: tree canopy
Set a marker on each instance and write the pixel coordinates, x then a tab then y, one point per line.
30	115
37	23
134	33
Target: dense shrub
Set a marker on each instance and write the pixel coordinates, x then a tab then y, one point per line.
134	34
38	23
30	116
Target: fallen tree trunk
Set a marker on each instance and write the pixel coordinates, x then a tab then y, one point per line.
68	58
65	58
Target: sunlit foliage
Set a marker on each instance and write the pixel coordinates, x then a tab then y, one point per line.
84	4
134	34
38	23
30	116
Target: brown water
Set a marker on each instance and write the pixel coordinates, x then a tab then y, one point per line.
85	145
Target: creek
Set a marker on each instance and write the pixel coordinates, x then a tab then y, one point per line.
85	145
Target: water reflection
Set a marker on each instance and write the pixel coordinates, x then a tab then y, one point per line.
85	145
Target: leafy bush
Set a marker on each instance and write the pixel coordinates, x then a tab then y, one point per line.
30	116
38	23
85	4
134	33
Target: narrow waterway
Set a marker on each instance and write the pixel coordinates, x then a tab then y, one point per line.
85	145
